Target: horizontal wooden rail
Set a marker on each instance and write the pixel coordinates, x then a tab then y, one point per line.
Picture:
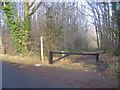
83	53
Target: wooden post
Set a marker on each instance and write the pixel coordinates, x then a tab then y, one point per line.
50	57
42	56
97	58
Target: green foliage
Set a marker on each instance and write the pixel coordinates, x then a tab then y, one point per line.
13	26
114	6
19	37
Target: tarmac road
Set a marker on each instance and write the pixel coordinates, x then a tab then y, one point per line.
17	78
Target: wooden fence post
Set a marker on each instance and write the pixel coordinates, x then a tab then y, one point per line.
50	57
42	56
97	57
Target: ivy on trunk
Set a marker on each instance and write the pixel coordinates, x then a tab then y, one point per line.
19	37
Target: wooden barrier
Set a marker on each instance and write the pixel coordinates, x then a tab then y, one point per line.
77	53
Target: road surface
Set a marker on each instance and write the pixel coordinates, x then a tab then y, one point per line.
16	78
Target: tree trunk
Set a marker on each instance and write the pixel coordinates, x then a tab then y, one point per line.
118	46
13	26
1	45
26	26
97	37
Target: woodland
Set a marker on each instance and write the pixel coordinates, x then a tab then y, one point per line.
65	26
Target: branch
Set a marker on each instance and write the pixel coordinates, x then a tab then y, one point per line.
84	13
35	8
31	4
